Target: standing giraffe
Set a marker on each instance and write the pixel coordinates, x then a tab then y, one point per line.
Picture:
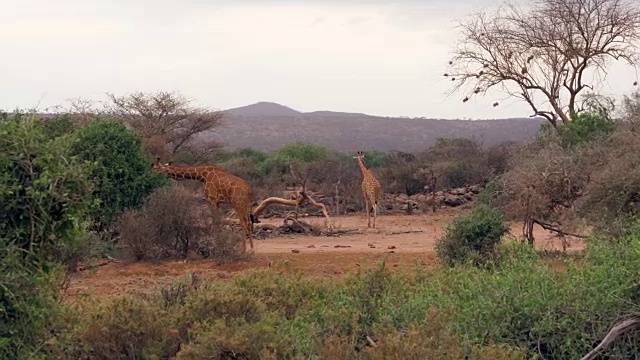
220	187
371	189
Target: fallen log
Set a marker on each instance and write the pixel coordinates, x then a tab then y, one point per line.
551	227
618	330
301	198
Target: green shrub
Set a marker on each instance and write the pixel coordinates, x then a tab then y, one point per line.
250	153
59	125
121	174
300	152
43	202
472	237
583	128
374	159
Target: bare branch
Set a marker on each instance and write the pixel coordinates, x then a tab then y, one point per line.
170	117
545	55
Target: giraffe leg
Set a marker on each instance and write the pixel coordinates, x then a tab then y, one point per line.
245	220
215	210
368	209
375	213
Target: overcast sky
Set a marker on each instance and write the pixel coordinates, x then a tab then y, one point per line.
377	57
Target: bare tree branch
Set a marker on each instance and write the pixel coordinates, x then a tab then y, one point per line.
545	55
169	118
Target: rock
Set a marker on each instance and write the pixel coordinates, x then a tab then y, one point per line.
418	197
295	251
414	205
452	200
458	191
475	189
350	208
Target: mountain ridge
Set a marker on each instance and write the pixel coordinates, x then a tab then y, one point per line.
268	126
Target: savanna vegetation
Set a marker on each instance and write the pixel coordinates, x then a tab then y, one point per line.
78	185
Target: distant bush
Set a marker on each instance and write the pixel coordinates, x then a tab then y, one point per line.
472	238
250	153
374	159
121	173
175	223
302	152
43	202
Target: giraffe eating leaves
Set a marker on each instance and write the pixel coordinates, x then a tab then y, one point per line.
371	189
220	187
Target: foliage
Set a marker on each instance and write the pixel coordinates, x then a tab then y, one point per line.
583	171
59	126
375	159
460	162
490	195
268	315
174	223
612	197
251	154
583	128
551	308
404	174
121	174
472	238
43	199
300	152
545	181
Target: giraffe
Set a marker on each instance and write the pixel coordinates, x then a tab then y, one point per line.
220	187
371	190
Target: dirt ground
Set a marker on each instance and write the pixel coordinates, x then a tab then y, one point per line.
402	240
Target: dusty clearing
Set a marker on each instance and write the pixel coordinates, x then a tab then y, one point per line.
403	240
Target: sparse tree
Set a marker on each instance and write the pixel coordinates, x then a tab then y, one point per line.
631	107
169	123
546	54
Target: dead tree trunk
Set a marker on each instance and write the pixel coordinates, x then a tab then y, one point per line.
337	199
527	226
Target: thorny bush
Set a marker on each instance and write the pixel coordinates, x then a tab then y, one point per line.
176	222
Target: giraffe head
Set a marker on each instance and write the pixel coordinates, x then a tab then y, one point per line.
359	155
157	166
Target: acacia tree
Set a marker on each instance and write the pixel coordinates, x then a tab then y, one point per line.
546	54
168	122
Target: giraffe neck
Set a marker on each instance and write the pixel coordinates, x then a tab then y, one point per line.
363	167
184	173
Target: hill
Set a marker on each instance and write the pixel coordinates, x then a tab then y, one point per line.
261	109
268	126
